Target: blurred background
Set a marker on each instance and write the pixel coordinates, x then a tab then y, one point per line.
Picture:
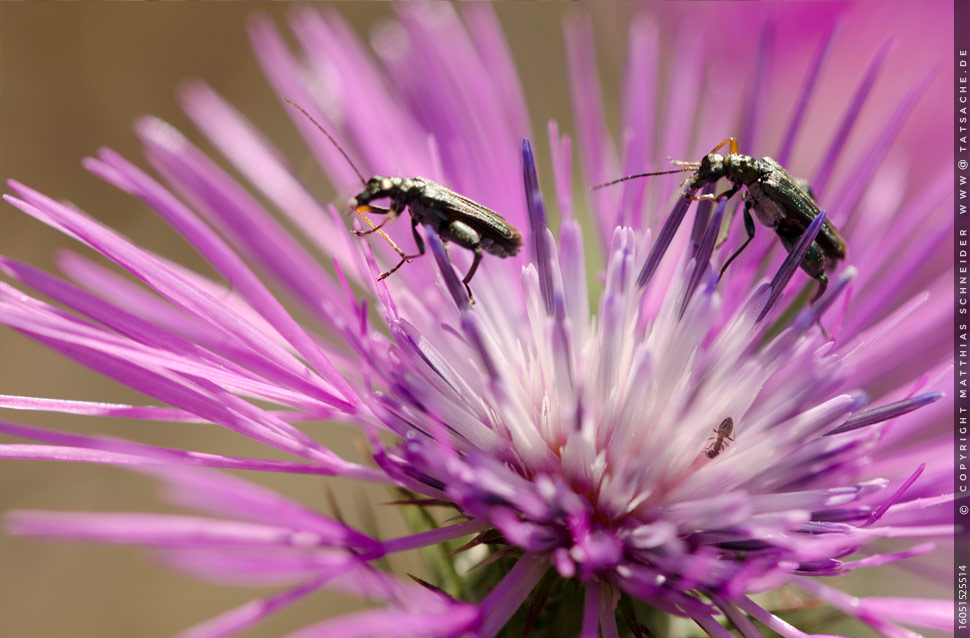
74	77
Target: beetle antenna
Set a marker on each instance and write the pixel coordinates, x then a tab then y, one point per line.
329	137
639	175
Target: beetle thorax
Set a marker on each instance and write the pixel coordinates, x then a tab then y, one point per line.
744	169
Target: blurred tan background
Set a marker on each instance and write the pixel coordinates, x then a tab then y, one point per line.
73	77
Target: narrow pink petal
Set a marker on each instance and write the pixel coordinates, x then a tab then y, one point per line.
923	612
740	621
197	395
388	139
79	334
591	603
167	456
854	607
485	30
891	557
394	624
448	79
134	365
236	620
560	149
162	279
909	531
861	175
711	626
208	491
222	494
596	150
244	145
434	536
608	601
117	451
262	567
751	111
285	73
127	324
165	143
510	593
155	529
141	412
571	263
887	221
61	453
828	164
237	215
148	305
892	285
640	88
922	503
769	620
680	106
805	95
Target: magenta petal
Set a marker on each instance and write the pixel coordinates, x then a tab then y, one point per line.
506	597
226	495
165	143
156	530
256	157
162	279
934	614
395	624
232	622
63	453
827	165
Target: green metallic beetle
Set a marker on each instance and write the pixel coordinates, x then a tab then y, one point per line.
779	201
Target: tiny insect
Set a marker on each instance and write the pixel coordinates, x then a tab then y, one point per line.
779	201
721	435
453	217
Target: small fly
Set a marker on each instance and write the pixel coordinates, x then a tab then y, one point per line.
721	435
779	201
453	217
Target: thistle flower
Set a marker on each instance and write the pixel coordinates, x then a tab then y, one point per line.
575	444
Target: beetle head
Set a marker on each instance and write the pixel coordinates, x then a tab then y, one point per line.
375	188
710	170
400	190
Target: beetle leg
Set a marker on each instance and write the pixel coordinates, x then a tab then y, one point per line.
823	283
376	210
471	272
377	229
814	261
466	237
733	146
405	258
728	194
749	228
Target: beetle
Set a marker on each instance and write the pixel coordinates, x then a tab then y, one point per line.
722	435
779	201
453	217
